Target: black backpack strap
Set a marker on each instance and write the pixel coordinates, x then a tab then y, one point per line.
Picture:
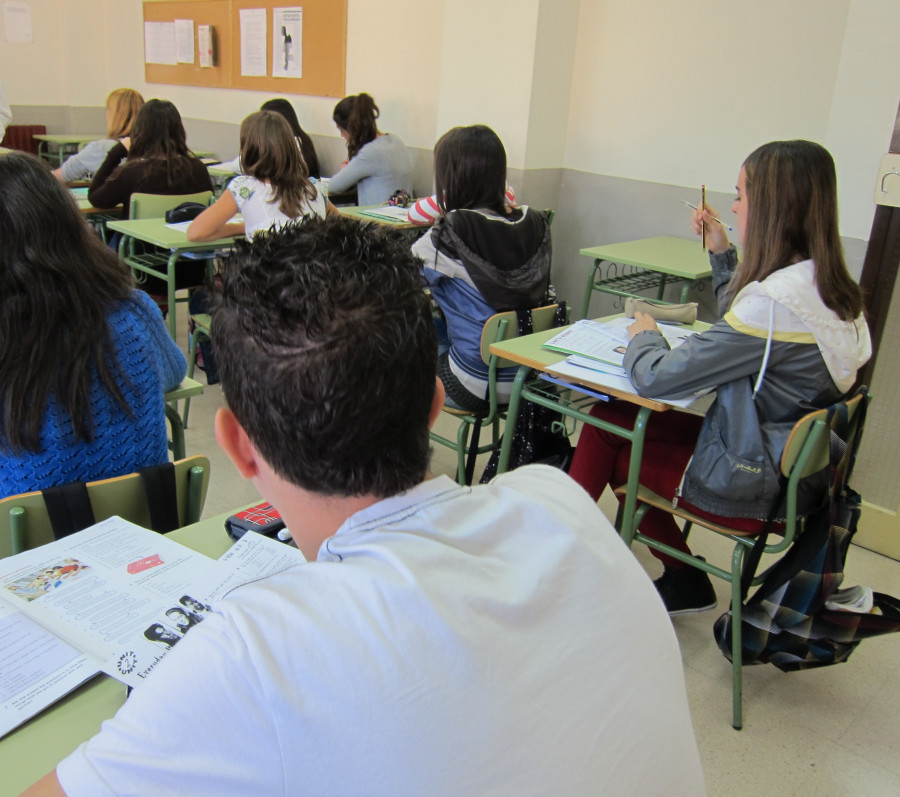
68	508
162	496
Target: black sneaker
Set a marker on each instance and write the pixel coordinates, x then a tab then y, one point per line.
685	589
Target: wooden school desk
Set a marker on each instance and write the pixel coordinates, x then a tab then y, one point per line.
528	353
646	263
35	748
156	233
66	144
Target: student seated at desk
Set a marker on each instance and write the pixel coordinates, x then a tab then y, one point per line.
86	359
273	191
440	639
377	163
482	257
790	341
157	162
285	109
122	107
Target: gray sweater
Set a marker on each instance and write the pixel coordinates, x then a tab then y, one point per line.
381	167
812	363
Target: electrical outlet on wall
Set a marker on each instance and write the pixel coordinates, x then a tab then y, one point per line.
887	185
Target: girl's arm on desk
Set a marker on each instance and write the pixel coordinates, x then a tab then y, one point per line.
212	223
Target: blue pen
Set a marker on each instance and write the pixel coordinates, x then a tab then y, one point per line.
715	218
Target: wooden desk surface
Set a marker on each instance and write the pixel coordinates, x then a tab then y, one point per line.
155	231
664	254
36	747
530	351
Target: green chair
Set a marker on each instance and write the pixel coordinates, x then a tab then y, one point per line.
25	523
187	388
805	453
200	334
146	260
498	328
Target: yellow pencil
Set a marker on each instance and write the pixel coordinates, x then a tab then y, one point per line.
702	223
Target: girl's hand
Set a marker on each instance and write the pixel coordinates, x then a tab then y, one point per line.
716	237
642	323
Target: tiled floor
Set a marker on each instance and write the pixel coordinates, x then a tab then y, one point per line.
827	732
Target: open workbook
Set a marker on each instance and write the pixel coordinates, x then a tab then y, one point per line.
113	598
596	352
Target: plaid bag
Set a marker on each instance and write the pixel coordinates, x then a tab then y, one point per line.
793	620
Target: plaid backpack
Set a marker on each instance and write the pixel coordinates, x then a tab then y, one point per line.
799	618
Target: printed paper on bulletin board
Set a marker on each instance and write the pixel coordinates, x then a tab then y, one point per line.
216	14
323	48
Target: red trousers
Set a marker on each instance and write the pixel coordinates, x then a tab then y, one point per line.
601	459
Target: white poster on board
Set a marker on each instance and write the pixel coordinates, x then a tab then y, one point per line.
287	42
184	41
17	22
253	42
159	43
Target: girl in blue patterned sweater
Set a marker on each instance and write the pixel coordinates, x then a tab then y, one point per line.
84	359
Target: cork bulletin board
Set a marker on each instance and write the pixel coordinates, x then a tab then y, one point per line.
324	45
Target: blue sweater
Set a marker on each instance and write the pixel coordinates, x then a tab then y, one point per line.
151	364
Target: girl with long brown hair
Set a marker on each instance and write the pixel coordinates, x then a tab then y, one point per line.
791	339
378	163
84	359
274	190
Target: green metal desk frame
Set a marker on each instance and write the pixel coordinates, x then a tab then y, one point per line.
162	265
645	264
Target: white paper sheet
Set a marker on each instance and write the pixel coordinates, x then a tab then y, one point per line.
17	22
159	43
287	42
184	41
253	42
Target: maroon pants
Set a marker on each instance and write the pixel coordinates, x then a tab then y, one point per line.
602	458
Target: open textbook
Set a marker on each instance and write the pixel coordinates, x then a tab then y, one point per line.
113	598
596	352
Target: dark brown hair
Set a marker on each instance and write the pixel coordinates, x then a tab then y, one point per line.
470	169
56	291
158	133
282	106
311	311
792	216
357	114
269	152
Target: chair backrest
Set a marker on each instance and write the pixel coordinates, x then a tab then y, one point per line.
808	444
154	206
25	523
505	326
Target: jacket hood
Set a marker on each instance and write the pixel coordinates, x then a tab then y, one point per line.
845	345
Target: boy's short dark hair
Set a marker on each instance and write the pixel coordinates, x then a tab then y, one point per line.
327	354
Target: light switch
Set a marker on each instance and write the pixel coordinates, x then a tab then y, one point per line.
887	186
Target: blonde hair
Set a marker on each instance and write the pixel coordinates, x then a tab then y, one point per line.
123	105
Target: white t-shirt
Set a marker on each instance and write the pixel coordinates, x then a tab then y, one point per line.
254	200
497	639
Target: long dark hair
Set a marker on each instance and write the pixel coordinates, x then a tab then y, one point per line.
357	114
470	169
158	133
283	107
792	216
270	152
58	282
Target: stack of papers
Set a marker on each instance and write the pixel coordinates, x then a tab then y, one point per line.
596	352
387	213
